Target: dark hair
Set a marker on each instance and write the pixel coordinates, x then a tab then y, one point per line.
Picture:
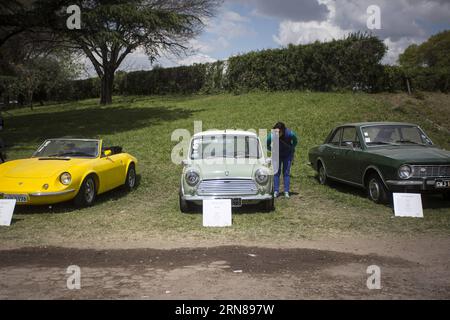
281	126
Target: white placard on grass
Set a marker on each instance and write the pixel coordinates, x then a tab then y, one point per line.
217	213
6	211
408	205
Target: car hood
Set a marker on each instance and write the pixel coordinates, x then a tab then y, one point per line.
35	168
415	154
227	169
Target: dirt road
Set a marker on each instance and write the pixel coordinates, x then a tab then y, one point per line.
228	272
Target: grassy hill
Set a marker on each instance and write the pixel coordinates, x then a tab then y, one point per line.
143	126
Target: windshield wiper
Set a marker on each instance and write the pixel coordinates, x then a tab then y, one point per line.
381	143
409	142
80	154
67	154
53	156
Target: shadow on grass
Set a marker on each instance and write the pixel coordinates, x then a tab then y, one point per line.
92	122
68	207
429	201
434	201
245	209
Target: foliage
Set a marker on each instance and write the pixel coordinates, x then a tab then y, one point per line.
433	53
351	63
112	29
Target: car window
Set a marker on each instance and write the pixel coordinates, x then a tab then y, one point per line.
225	146
350	138
68	148
336	137
394	135
411	134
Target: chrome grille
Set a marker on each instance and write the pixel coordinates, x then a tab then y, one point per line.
227	187
430	171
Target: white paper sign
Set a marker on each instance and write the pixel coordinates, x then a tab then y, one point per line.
408	205
217	213
6	211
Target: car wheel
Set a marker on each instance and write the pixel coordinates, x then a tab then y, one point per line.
87	193
130	182
185	206
376	190
323	179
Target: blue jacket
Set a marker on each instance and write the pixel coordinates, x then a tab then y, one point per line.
287	144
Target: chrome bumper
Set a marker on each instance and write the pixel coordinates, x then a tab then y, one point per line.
255	198
404	183
51	194
425	184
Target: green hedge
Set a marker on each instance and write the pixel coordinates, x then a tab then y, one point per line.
182	80
345	64
395	78
353	63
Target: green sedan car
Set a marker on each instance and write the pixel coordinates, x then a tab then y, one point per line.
383	158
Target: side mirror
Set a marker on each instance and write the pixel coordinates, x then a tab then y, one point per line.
348	144
108	153
185	163
269	161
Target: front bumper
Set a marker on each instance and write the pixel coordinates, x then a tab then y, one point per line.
42	198
418	185
245	199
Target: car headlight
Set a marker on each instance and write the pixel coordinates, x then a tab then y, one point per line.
405	172
65	178
261	176
192	178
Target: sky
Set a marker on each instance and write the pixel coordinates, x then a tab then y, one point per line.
240	26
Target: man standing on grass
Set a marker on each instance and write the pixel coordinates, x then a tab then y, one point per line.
287	142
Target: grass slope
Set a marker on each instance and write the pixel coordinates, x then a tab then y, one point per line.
143	126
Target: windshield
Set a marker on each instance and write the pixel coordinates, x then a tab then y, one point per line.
68	148
394	135
225	146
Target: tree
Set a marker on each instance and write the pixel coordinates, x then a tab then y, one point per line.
428	63
112	29
28	64
433	53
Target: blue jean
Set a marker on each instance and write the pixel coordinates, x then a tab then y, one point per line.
285	167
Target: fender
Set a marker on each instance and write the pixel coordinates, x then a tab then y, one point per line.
379	173
323	163
97	180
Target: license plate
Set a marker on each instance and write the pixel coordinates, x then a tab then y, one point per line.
443	184
236	203
20	198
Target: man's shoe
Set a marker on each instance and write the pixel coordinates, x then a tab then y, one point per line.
276	194
286	195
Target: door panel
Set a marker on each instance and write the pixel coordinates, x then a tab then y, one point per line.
110	171
347	158
331	153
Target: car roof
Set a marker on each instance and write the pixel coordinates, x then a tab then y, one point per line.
367	124
225	132
75	139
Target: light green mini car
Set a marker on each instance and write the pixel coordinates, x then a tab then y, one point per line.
226	165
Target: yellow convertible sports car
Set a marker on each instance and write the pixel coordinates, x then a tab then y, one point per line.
67	169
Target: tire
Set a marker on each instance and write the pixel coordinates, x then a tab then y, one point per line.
130	182
185	206
87	193
323	179
376	190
